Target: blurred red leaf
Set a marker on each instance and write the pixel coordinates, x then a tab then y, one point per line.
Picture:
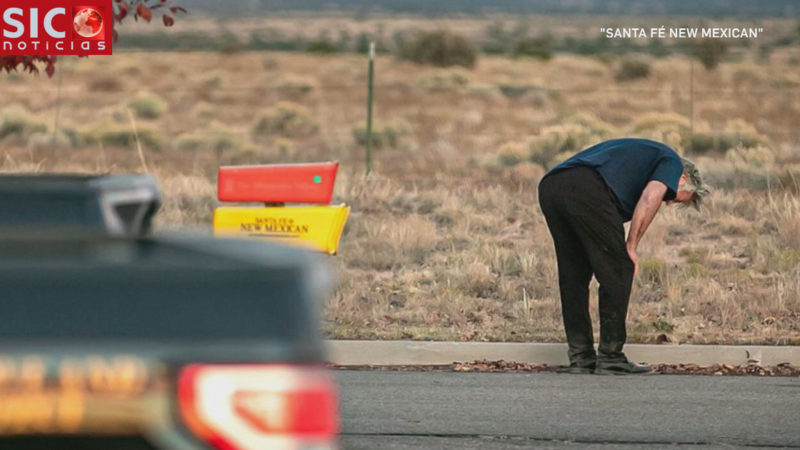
144	12
168	20
123	10
51	68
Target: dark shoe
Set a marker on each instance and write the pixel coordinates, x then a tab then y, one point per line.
622	368
586	366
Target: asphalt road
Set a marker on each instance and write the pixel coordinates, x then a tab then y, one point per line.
442	410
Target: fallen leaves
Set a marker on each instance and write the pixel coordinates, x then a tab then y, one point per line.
502	366
781	370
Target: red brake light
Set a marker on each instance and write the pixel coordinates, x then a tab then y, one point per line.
238	407
302	413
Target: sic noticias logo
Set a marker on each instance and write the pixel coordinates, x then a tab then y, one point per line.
56	27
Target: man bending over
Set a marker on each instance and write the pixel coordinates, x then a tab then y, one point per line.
585	201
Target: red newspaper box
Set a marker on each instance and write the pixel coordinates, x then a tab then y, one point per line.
278	183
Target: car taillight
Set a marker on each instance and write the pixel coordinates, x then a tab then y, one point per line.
242	407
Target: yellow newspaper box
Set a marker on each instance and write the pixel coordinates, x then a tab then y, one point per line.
315	227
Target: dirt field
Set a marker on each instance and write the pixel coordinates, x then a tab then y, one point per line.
446	240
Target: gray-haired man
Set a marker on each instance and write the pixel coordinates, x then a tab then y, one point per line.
585	200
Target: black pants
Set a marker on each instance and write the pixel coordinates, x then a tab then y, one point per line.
589	239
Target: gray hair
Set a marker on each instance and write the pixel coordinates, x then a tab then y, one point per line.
694	184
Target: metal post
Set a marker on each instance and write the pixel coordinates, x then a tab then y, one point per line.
370	78
61	68
691	103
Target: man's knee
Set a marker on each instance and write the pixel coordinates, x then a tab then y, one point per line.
574	279
617	273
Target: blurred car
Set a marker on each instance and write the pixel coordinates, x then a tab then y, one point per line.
164	342
116	205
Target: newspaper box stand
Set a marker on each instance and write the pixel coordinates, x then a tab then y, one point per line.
316	225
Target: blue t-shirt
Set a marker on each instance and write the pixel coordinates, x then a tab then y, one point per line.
627	165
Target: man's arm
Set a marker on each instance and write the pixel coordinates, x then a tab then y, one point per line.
643	214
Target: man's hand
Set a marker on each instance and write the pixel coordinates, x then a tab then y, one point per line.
632	256
643	214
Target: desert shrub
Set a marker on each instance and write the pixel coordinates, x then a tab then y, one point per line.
606	59
710	52
657	48
297	85
46	141
204	110
512	153
269	63
322	46
526	173
557	139
146	105
783	259
740	132
527	93
538	98
591	122
483	90
632	69
189	142
440	48
228	43
123	136
671	128
216	138
476	280
445	80
212	81
284	147
703	143
759	157
384	134
661	324
653	271
286	119
736	133
105	83
513	90
729	175
65	137
222	141
498	39
19	124
747	75
539	47
789	177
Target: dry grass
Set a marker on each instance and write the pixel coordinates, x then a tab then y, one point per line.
446	240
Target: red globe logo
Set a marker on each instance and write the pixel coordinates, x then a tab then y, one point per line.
88	23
